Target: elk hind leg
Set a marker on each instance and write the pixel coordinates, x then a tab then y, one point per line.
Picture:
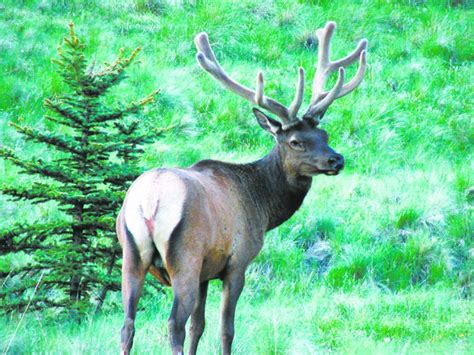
134	268
186	291
198	318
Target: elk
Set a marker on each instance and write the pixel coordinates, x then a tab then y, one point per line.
189	226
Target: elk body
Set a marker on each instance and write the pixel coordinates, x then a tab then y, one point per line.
189	226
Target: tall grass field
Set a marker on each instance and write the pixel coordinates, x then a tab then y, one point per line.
379	259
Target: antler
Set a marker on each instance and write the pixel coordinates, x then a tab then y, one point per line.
208	62
320	99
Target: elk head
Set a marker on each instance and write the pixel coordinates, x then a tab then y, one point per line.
303	146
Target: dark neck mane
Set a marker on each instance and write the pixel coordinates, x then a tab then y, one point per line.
275	195
278	194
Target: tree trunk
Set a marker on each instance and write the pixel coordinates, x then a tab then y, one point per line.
105	289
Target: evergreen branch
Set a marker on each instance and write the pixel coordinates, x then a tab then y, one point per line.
29	268
99	82
62	121
39	193
112	67
27	285
131	143
104	148
132	108
120	63
71	62
109	116
72	35
151	133
37	167
121	179
33	236
149	98
121	176
98	280
27	193
136	106
127	129
132	57
60	142
21	228
61	109
36	304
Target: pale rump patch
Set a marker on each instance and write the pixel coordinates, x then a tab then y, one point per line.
153	208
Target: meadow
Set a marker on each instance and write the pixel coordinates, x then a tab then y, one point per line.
380	259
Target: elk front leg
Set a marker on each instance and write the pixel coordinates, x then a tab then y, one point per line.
198	318
232	287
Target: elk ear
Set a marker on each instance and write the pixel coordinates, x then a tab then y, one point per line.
267	123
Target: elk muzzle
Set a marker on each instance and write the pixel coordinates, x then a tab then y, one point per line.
328	164
336	162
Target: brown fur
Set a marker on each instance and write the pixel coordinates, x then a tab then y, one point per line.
225	210
189	226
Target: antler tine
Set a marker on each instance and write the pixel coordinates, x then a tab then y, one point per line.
322	67
202	44
357	79
209	63
259	88
298	100
320	99
320	107
352	57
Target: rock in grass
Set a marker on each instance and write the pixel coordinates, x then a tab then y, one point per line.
321	253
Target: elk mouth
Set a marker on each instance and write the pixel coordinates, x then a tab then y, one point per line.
313	170
331	172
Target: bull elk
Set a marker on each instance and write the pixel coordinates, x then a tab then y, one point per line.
205	222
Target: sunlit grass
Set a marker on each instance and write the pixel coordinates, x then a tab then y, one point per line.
286	322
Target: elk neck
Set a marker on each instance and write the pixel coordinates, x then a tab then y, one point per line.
268	192
276	194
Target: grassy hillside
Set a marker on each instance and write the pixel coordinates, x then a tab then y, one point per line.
379	259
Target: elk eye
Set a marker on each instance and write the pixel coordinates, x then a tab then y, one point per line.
296	144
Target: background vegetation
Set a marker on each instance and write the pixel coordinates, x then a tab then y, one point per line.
94	160
379	259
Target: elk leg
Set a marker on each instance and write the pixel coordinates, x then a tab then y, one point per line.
134	268
232	287
186	290
198	318
133	275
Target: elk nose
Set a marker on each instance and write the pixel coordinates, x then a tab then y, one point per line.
336	162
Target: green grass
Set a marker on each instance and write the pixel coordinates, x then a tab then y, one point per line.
395	271
313	320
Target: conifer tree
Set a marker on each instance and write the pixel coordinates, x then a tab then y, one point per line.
91	166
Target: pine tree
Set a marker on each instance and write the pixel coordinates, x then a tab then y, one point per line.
91	167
